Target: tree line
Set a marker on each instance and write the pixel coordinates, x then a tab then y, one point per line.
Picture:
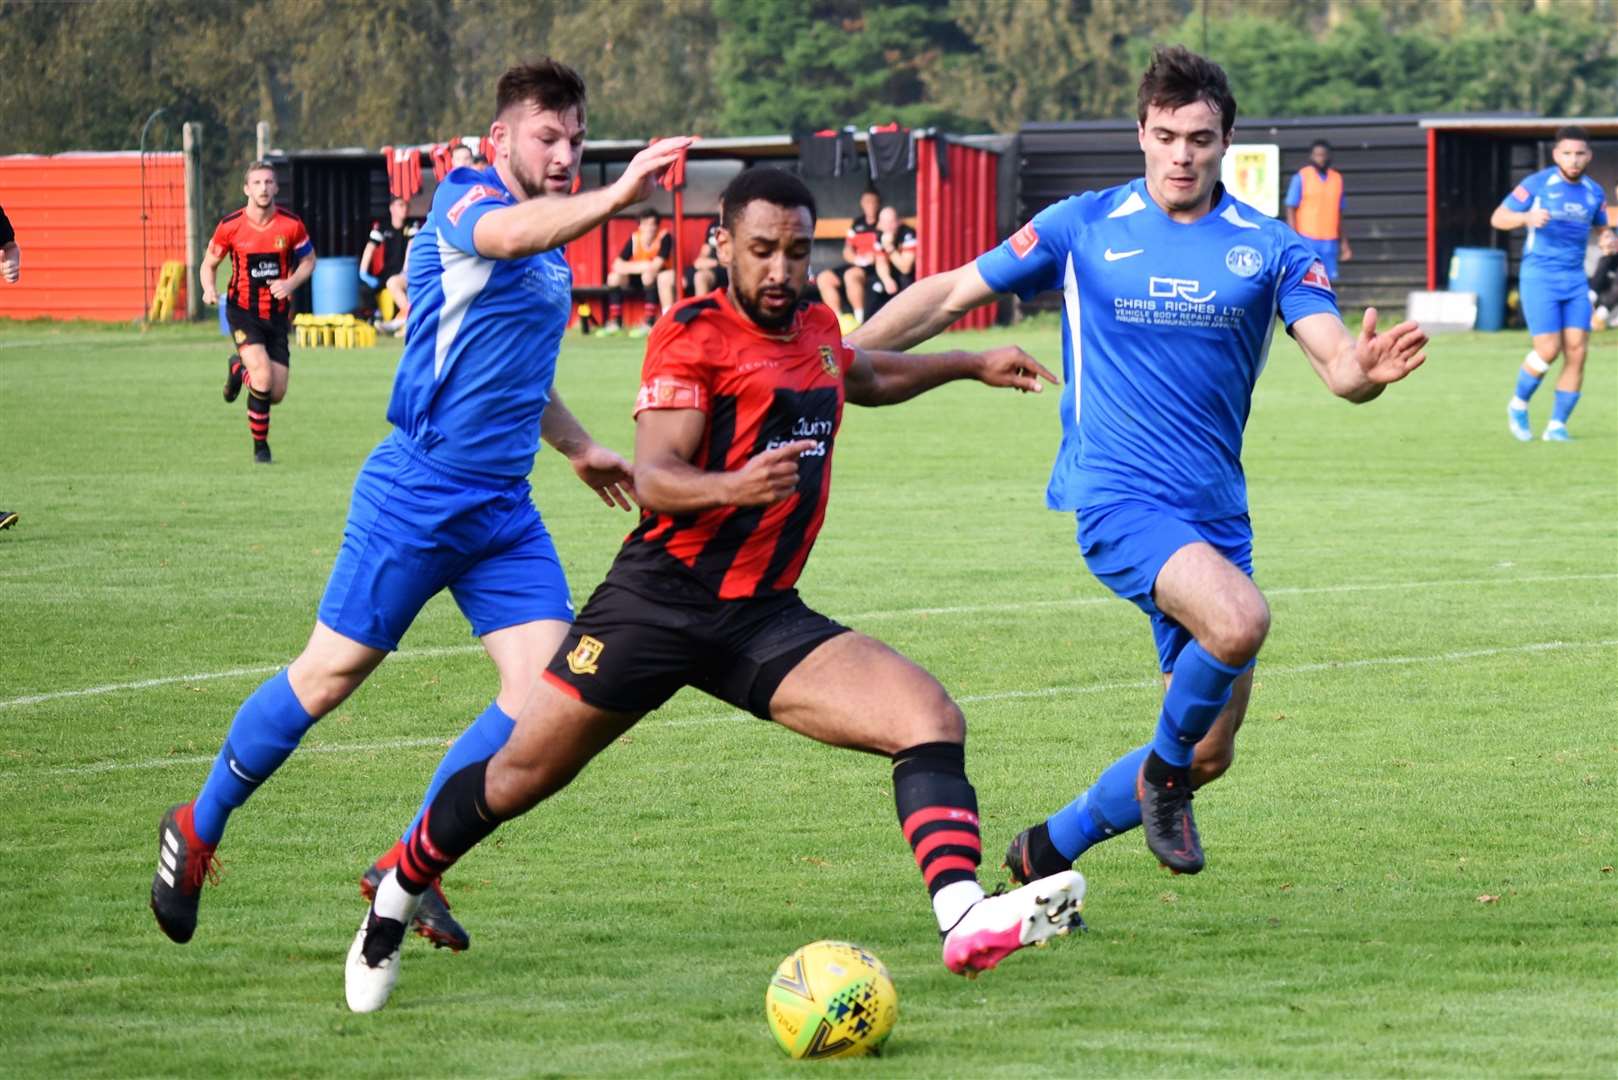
332	73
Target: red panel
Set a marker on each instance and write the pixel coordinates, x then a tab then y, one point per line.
956	217
584	255
79	224
1432	209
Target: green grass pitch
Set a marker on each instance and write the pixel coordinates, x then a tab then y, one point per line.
1410	865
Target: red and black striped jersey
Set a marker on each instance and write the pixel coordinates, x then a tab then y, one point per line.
759	390
260	254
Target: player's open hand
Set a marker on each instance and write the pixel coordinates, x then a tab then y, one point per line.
607	474
770	476
647	167
1010	366
1389	356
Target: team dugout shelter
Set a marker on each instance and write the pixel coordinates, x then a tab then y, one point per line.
957	192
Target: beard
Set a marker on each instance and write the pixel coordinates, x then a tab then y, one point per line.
773	323
531	188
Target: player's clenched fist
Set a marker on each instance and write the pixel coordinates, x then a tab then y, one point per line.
769	477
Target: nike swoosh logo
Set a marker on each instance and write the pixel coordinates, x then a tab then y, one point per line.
1113	256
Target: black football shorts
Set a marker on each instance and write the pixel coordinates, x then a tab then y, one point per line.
247	328
630	650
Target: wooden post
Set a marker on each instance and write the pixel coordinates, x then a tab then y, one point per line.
195	235
263	132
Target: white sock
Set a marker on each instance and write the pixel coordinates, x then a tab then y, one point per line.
952	901
859	314
392	902
1554	424
1518	403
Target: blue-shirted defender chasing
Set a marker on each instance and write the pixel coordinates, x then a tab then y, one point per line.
1171	289
443	502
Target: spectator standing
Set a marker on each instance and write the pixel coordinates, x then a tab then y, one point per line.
1314	206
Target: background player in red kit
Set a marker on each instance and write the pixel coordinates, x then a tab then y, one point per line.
271	256
741	397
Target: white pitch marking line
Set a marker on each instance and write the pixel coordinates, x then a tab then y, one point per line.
865	616
969	699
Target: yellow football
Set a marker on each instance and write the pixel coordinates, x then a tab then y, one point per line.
831	999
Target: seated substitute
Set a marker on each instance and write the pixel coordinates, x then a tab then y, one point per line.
847	280
642	259
705	274
895	259
382	263
733	466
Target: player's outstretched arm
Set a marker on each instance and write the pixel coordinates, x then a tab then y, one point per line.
536	225
1357	369
924	310
602	470
667	483
887	378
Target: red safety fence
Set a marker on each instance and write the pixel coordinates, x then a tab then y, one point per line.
956	215
89	230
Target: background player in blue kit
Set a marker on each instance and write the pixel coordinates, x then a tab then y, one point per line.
443	501
1171	289
1559	206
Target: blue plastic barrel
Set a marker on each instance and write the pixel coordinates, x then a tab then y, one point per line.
336	285
1481	271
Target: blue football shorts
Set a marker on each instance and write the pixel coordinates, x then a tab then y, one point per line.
1554	302
415	529
1125	545
1326	251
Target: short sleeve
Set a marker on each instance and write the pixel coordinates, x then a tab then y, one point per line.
676	374
1520	198
7	233
665	249
460	203
223	235
1029	261
302	246
907	238
1294	191
376	233
1304	287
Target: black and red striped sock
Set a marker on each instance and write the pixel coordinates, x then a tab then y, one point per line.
654	306
453	825
938	811
615	307
258	414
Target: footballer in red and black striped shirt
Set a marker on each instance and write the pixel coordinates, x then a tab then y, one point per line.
271	257
736	425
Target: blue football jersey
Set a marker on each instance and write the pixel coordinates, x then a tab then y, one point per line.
1559	245
1165	328
481	344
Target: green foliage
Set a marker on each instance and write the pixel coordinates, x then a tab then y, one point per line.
360	73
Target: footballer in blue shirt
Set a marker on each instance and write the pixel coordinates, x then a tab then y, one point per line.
444	502
1171	289
1558	206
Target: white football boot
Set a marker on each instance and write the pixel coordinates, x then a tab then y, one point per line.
997	926
373	962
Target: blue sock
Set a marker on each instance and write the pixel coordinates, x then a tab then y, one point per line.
1199	690
1565	400
265	731
479	742
1107	809
1527	383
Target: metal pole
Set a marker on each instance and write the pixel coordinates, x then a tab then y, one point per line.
145	272
191	141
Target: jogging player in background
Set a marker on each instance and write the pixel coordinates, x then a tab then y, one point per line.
1558	206
444	501
1171	289
271	257
740	402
